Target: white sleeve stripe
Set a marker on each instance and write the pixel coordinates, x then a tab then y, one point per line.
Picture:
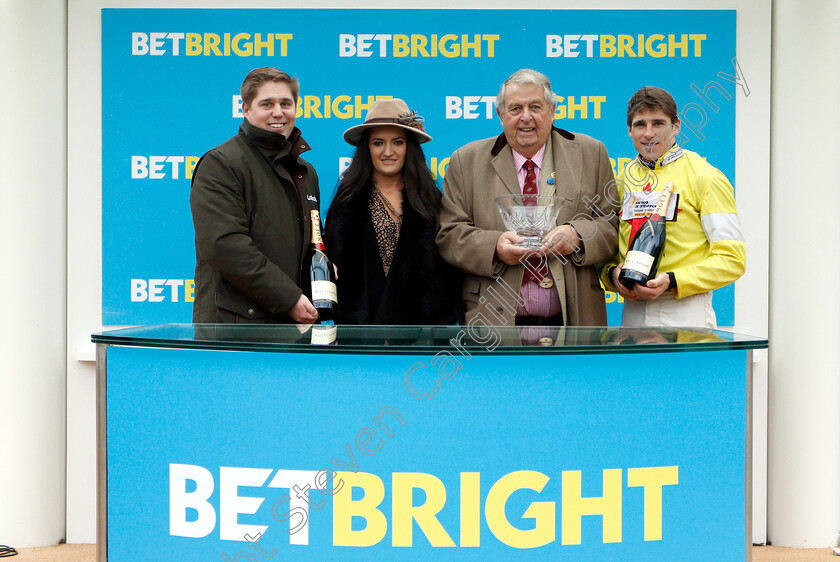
722	226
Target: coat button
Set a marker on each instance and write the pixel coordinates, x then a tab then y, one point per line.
251	311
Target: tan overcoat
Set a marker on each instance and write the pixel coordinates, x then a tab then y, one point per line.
471	225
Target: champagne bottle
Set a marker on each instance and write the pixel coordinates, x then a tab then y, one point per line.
645	249
321	273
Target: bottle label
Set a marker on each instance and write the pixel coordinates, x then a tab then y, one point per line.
324	334
324	291
663	201
638	261
316	228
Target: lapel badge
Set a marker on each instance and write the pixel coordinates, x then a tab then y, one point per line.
551	179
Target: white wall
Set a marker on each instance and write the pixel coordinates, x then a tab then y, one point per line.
84	207
84	271
804	476
32	250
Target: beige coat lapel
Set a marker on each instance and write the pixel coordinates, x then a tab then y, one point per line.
503	164
568	163
546	186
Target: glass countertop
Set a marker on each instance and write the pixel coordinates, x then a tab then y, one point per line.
427	340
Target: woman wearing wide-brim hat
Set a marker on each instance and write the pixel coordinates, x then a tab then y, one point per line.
381	225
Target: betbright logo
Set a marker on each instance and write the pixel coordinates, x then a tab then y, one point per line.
635	46
210	44
162	290
191	513
484	107
162	167
341	106
383	45
437	166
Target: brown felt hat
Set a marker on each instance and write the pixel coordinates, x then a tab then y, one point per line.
389	112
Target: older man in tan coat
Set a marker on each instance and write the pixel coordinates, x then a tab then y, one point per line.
473	237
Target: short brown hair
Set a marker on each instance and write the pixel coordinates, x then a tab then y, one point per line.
260	76
651	98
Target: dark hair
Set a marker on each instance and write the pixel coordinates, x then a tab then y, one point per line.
651	98
420	191
260	76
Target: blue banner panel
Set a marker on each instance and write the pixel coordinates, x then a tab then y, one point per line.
331	457
170	92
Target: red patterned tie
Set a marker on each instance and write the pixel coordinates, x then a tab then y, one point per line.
537	268
530	187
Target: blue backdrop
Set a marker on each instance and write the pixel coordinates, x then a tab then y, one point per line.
170	84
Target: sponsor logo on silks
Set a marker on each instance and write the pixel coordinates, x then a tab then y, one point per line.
673	154
312	198
641	204
647	188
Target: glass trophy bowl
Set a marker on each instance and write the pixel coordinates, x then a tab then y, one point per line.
529	216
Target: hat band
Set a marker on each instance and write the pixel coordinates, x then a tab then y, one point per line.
396	120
